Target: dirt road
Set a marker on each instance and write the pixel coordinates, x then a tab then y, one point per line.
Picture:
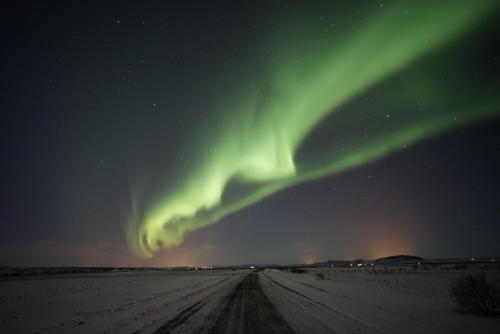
248	310
245	309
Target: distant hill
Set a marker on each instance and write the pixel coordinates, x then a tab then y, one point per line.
399	259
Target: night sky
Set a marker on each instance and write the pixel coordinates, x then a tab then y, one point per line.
201	133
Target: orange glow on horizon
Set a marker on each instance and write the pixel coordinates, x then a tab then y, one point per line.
387	244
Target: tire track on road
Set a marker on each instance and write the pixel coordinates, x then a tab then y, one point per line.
186	315
248	310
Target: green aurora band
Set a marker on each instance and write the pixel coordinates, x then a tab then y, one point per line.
262	134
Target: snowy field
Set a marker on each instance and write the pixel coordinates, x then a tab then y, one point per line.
241	301
352	301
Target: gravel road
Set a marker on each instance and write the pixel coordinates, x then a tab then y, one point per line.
244	309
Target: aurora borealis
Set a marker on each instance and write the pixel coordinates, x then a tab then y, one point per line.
258	132
198	133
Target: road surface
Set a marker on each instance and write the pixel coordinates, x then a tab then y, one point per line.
245	309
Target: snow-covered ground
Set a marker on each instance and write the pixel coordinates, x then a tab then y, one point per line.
243	301
352	301
106	303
